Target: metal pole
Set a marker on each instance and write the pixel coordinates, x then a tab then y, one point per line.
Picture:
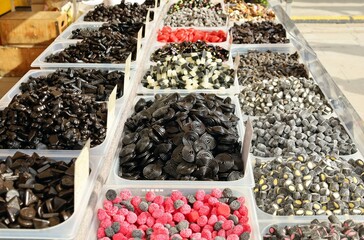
75	10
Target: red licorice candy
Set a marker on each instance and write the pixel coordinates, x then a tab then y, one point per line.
199	216
166	34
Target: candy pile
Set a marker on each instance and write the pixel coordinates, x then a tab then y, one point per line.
242	12
189	71
96	83
203	17
196	4
36	191
129	28
299	132
54	118
166	34
282	94
261	2
172	49
123	12
259	32
103	47
256	66
309	185
217	215
172	137
318	230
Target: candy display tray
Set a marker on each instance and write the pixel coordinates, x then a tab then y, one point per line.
38	73
206	29
266	218
56	47
246	181
99	150
138	190
254	45
264	227
233	89
67	34
158	45
155	11
242	49
69	228
357	154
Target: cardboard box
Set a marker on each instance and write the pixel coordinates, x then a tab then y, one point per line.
6	83
31	27
15	60
5	6
37	7
38	1
22	3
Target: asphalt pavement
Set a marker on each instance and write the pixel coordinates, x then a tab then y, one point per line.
335	31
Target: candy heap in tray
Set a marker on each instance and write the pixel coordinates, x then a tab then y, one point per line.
208	75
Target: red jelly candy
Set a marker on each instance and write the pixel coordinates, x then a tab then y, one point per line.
135	201
197	205
101	214
106	223
200	195
177	217
238	229
223	209
185	209
204	210
221	233
108	205
185	233
158	200
157	213
232	237
206	234
125	194
195	228
176	195
119	236
228	224
217	193
243	220
150	196
153	207
212	220
101	232
247	228
131	217
118	218
202	221
193	216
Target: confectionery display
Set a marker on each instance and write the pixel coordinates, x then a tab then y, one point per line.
220	128
192	138
215	215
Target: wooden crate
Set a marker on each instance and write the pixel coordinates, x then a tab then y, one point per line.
31	27
5	6
37	7
15	60
22	3
6	83
38	1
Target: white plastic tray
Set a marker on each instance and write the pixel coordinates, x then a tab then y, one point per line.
38	73
272	219
99	150
56	47
67	229
233	89
165	191
246	181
